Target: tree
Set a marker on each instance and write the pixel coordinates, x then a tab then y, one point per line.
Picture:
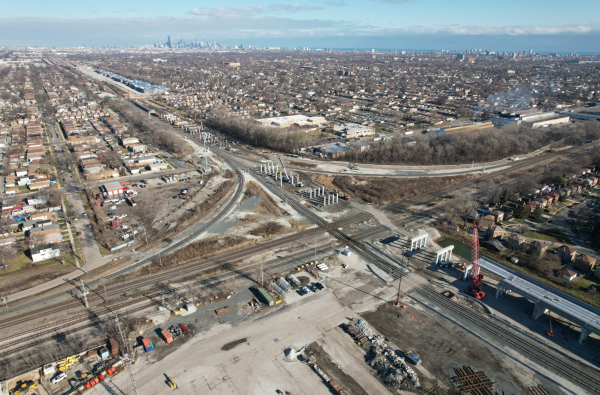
523	212
537	213
465	205
504	197
560	180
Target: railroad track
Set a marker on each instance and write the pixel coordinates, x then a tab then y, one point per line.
189	269
529	347
94	315
524	344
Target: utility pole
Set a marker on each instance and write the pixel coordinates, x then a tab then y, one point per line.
84	294
128	348
104	286
159	258
5	301
146	236
399	285
315	248
262	273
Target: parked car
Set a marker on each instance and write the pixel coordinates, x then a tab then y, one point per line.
59	377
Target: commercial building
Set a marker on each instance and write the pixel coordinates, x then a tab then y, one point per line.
113	188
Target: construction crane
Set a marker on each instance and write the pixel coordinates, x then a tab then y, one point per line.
287	178
476	277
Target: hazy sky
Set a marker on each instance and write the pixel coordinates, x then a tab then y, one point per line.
509	25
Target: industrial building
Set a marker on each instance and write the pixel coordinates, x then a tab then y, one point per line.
352	130
140	86
531	118
292	120
586	114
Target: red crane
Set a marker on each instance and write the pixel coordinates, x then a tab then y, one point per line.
476	277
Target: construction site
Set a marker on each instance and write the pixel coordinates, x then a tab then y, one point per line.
291	285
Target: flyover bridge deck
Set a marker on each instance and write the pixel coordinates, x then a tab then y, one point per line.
544	298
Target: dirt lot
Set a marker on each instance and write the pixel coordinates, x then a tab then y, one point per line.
158	209
30	274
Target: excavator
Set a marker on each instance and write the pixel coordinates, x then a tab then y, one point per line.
352	166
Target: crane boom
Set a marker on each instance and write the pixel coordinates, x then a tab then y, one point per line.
283	166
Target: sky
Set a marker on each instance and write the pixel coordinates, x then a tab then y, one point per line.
509	25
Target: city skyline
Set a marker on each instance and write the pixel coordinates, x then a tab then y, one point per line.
385	24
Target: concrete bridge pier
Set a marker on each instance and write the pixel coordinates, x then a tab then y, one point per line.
538	311
583	336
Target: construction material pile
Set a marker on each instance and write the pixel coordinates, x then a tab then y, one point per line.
176	331
391	368
364	328
293	279
399	363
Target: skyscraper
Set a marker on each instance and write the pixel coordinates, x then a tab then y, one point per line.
169	43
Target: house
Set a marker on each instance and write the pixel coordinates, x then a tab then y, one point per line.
554	195
538	248
34	186
597	272
495	232
496	245
515	240
45	230
548	198
567	274
498	216
486	222
584	263
20	172
484	209
159	165
138	148
43	252
113	188
567	253
543	202
515	199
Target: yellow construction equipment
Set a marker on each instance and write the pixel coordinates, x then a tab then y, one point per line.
171	382
66	363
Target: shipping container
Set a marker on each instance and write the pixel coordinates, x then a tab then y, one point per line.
147	344
113	346
267	299
411	356
184	328
223	310
166	336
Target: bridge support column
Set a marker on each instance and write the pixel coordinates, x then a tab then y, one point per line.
538	311
499	291
583	336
